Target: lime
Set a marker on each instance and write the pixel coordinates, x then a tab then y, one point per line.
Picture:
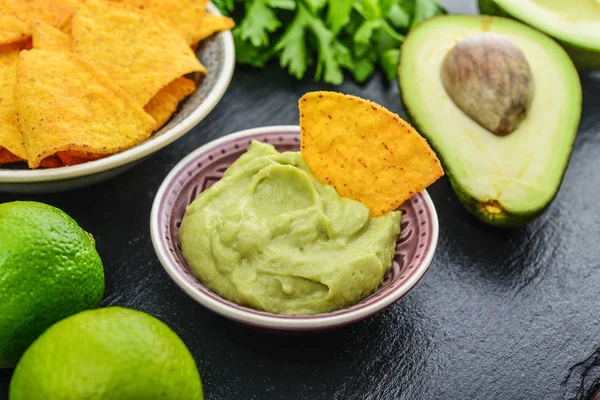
110	353
49	269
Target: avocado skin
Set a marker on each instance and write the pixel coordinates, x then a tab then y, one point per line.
489	7
583	57
504	219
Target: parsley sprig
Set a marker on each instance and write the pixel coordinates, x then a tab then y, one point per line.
329	36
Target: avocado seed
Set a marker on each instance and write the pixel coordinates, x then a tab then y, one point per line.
489	79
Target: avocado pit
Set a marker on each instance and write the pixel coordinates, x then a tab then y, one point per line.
488	77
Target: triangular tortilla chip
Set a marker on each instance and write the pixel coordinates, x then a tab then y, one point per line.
64	104
46	37
185	16
364	151
52	12
181	88
212	24
162	106
12	29
155	54
11	138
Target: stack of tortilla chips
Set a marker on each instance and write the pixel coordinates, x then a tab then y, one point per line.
84	79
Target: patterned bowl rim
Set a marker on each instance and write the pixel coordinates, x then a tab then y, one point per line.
156	142
262	319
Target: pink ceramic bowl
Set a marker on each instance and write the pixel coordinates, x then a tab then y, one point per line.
203	167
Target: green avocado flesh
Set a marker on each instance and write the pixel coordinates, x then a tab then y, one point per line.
575	24
507	180
269	236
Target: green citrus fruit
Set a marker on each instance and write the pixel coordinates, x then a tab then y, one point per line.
49	269
110	353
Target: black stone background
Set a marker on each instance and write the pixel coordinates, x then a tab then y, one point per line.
499	315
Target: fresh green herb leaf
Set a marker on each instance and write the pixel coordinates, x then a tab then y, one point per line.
360	49
398	17
329	52
315	5
389	63
292	46
343	55
348	30
364	67
365	31
425	9
407	5
390	31
385	6
246	53
369	9
338	14
331	35
383	41
260	20
283	4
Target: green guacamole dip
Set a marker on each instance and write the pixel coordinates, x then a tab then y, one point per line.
269	236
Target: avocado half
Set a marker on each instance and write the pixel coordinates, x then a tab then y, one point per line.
503	180
575	24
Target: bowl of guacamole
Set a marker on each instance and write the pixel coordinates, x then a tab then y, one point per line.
244	228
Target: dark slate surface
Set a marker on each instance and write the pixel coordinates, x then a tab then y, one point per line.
500	314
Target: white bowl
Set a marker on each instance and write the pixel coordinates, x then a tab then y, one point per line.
217	54
196	172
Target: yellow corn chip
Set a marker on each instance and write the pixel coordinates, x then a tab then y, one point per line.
212	24
181	88
11	138
12	29
162	106
66	27
46	37
65	104
154	56
52	12
364	151
185	16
